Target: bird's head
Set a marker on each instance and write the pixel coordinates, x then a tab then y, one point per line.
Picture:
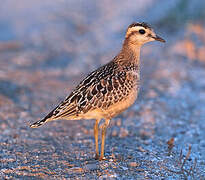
141	33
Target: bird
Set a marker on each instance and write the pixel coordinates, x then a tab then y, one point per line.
109	90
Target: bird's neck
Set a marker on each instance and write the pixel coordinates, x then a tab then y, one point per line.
131	51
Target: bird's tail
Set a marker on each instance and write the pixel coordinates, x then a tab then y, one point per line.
43	121
38	123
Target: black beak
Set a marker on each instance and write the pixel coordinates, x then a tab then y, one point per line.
157	38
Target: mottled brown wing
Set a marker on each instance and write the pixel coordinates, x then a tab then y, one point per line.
100	89
79	100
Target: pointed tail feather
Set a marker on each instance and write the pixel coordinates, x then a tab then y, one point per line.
44	120
38	123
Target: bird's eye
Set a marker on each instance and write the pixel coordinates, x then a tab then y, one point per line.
141	31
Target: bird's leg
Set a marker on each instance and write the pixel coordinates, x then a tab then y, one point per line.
104	127
96	138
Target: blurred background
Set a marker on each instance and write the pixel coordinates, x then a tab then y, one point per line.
46	47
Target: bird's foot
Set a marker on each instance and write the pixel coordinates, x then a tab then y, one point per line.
102	158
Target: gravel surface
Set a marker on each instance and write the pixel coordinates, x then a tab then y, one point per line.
46	49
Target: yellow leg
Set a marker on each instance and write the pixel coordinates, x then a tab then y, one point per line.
105	125
96	138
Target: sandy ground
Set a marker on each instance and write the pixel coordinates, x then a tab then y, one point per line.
160	137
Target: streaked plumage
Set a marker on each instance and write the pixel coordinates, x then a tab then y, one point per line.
110	89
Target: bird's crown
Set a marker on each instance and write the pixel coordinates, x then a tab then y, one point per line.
142	24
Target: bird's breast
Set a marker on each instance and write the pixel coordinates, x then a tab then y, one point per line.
122	105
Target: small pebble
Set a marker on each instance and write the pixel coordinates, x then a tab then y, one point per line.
114	132
119	122
123	132
91	167
133	164
124	168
